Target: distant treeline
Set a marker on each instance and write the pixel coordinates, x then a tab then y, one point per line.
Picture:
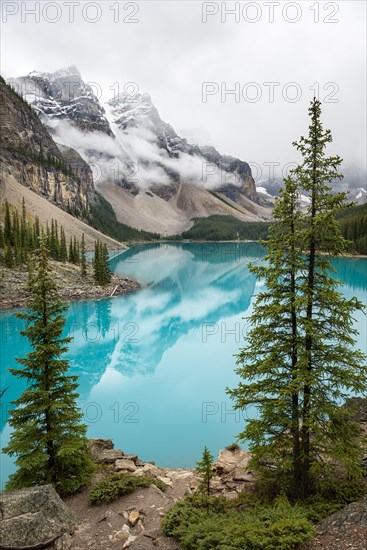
225	228
353	223
103	218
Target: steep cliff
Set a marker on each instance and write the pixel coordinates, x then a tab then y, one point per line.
30	155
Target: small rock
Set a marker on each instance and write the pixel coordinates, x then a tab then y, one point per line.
232	495
124	464
151	469
129	542
139	472
165	480
134	517
109	456
122	535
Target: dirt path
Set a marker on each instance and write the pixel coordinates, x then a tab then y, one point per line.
107	527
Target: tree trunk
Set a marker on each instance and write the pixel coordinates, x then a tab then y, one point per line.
306	458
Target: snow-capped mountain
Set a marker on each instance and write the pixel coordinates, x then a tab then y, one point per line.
137	116
353	183
153	178
63	96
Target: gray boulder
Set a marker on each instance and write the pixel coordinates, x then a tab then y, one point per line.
98	446
34	516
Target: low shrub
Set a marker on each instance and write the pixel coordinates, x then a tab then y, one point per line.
233	447
202	524
117	485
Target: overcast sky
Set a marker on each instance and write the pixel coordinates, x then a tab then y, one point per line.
170	52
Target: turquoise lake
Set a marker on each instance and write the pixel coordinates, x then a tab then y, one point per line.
153	365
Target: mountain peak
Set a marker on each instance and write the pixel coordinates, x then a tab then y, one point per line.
63	95
64	72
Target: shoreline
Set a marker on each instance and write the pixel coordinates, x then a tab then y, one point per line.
73	287
357	255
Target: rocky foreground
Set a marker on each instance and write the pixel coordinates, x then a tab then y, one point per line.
34	517
37	518
134	520
70	282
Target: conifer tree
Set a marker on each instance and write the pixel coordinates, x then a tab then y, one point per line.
37	232
299	362
76	251
8	257
71	250
24	238
105	264
330	366
83	259
48	439
63	247
205	469
97	263
8	232
102	272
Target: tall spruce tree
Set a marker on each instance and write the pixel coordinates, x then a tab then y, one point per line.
48	439
83	258
102	272
299	362
8	230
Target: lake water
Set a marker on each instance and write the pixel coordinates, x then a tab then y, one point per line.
153	365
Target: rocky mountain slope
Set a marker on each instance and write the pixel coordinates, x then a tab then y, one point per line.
13	191
30	156
354	183
154	179
54	180
63	96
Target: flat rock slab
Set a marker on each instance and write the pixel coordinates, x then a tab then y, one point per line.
125	464
109	456
33	516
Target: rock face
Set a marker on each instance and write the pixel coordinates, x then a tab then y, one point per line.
358	407
138	112
63	96
34	516
344	529
29	154
153	178
232	474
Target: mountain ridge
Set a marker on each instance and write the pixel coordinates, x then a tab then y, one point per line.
139	158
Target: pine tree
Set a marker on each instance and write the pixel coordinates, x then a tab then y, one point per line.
83	259
76	251
299	362
106	277
8	257
63	247
24	239
102	272
205	469
327	325
97	263
37	232
48	439
8	231
53	243
71	251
